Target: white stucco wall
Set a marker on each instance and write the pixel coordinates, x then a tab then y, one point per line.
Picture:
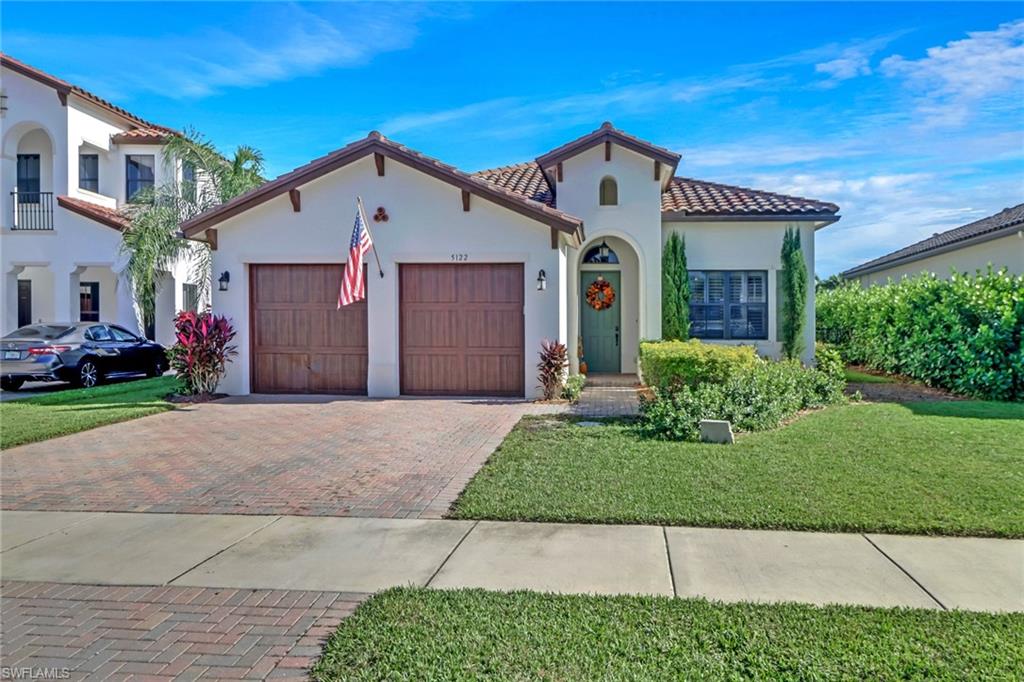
1003	252
636	219
728	245
427	225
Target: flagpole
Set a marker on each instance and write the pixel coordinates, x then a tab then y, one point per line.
362	211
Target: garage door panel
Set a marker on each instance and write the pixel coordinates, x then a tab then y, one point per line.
301	342
462	341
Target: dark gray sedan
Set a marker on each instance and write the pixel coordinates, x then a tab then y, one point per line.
84	353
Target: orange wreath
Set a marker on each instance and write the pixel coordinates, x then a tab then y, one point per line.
600	294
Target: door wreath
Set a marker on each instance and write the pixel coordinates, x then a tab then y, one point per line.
600	294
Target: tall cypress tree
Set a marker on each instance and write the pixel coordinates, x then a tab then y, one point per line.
794	294
675	290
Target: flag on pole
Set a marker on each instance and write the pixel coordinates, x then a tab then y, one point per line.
353	284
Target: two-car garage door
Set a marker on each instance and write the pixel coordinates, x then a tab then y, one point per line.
460	327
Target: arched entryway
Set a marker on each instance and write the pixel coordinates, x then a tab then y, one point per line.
608	306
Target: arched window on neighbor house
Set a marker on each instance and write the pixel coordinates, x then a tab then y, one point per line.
609	194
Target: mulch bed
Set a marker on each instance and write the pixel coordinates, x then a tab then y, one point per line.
900	392
194	399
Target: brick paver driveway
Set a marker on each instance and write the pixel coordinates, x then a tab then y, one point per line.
267	455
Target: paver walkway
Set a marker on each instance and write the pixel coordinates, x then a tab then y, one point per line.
157	633
366	555
404	458
608	395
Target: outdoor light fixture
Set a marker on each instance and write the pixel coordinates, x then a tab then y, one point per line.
223	280
604	250
542	280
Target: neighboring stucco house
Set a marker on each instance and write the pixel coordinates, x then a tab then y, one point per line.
71	163
997	240
480	268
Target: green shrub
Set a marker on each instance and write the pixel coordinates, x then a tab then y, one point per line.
755	398
794	294
573	387
829	361
675	289
668	365
963	334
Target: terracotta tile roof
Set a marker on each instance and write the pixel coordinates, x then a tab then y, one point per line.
683	196
993	226
376	143
119	220
146	135
525	179
687	196
64	88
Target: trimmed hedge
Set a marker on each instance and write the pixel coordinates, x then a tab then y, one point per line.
754	398
669	365
963	334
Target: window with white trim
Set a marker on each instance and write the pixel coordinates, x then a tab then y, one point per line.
729	304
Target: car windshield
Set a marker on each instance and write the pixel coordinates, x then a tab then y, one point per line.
40	331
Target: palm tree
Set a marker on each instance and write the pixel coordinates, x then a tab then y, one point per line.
152	244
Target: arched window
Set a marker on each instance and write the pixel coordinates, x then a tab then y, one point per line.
601	253
609	191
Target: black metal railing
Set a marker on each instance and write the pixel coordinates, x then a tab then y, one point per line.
32	210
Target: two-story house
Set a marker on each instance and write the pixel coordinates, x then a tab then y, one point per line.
479	269
72	163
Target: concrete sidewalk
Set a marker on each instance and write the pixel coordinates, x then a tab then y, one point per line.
361	555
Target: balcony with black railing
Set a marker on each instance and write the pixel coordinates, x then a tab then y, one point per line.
32	210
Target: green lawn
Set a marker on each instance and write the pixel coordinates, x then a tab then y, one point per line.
58	414
949	468
418	634
857	377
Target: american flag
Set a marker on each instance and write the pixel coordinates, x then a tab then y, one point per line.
353	284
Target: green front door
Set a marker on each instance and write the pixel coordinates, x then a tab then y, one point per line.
600	328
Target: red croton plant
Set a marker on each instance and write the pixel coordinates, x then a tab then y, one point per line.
202	351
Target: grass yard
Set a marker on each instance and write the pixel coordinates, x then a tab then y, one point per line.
57	414
418	634
948	468
854	376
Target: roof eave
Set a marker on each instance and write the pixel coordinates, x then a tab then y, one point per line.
376	144
867	268
595	138
686	217
96	217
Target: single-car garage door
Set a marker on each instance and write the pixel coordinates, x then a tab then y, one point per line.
462	329
301	343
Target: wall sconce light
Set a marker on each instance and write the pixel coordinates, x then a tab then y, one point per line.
603	250
542	280
223	280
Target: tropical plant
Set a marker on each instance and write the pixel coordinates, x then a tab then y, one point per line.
963	333
152	245
574	387
201	351
675	290
551	370
794	294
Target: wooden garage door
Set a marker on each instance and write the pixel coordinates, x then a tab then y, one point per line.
462	329
301	343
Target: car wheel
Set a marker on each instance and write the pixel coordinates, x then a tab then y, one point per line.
11	384
88	374
157	370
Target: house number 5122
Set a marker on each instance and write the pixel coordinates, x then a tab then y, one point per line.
459	257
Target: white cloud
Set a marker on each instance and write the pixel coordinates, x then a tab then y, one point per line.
851	64
953	81
290	41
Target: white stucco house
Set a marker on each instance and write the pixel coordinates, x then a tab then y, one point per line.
996	241
479	268
71	163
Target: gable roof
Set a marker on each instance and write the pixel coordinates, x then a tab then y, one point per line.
64	89
689	197
682	198
609	133
1007	221
101	214
375	143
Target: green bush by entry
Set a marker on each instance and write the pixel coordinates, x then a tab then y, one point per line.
755	398
963	334
669	365
573	387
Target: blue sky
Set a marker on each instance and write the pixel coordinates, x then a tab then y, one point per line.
910	116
